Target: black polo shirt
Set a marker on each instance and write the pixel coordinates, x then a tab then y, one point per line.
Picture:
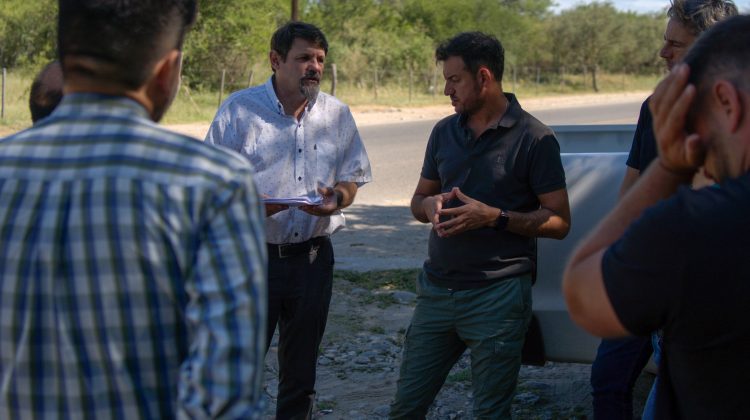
507	167
643	150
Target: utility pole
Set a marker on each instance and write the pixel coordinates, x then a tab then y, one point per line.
295	10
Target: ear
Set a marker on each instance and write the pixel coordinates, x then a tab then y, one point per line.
275	59
485	77
729	104
166	71
161	88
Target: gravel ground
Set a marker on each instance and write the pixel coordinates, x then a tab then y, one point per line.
360	355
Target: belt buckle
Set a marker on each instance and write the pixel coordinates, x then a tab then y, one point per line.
282	248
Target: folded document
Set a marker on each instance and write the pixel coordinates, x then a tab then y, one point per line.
295	201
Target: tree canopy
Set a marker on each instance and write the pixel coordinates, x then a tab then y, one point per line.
378	35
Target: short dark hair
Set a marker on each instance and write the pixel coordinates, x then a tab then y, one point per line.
721	52
476	49
126	35
46	91
699	15
284	37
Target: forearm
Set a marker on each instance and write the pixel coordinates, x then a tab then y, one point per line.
655	184
417	208
345	193
543	223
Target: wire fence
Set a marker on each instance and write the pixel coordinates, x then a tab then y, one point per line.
374	86
411	83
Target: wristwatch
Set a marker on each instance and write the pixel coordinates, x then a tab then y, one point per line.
502	221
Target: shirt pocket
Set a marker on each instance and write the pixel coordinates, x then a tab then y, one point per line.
326	162
257	149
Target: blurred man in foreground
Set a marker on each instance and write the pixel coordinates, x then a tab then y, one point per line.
672	258
620	361
132	263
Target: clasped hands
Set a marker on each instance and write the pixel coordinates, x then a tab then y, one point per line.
472	215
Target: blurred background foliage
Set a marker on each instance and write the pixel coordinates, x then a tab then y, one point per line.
386	36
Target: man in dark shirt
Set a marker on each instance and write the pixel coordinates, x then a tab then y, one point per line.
672	258
619	362
492	181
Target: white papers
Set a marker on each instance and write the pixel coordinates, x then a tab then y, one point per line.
295	201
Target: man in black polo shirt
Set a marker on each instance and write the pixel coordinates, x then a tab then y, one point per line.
673	258
492	182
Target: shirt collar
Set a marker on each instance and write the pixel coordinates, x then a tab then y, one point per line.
275	99
85	104
510	117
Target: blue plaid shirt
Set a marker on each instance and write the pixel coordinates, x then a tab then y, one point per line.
132	270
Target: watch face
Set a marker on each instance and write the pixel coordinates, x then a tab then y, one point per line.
502	221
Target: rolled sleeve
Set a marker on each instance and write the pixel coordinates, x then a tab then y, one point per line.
354	165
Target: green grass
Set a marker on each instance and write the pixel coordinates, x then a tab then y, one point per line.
463	375
326	405
199	106
16	113
379	282
382	280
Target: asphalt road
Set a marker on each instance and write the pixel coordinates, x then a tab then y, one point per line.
396	150
381	232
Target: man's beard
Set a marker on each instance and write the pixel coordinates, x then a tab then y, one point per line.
309	86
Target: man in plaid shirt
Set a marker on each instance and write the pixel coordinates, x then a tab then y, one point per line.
132	259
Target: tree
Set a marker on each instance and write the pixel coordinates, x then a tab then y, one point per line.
230	35
28	32
588	35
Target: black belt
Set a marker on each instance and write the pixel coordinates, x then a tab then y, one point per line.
292	249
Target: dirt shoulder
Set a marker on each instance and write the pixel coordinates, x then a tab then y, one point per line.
374	115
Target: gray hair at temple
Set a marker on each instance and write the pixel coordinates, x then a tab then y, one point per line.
699	15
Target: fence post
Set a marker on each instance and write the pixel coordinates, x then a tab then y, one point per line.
221	89
434	82
375	83
538	79
585	70
250	78
334	79
513	68
411	82
562	76
2	107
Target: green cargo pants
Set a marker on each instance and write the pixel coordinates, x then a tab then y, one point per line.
491	321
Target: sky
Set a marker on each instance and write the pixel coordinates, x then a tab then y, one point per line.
641	6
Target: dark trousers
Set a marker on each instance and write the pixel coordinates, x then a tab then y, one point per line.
617	366
299	293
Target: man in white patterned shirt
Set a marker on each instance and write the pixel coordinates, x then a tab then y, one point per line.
301	142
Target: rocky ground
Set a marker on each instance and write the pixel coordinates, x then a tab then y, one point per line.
360	355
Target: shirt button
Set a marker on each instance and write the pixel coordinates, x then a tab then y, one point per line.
299	178
315	147
296	234
299	150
